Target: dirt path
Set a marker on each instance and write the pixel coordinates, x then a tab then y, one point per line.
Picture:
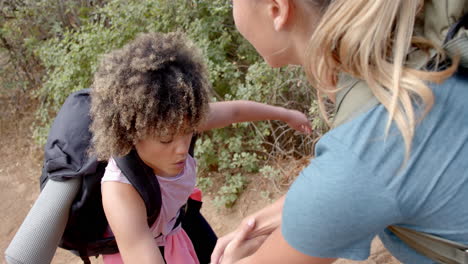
20	163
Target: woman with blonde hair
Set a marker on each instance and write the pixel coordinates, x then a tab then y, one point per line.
397	151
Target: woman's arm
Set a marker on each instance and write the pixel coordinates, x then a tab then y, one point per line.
223	114
266	221
126	214
274	250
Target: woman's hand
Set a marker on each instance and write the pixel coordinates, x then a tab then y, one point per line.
259	225
224	241
221	245
240	246
249	245
298	121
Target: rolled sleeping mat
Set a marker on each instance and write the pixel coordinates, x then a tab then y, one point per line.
38	236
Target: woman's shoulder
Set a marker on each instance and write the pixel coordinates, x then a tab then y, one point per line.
364	137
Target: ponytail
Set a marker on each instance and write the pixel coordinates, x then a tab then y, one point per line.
370	40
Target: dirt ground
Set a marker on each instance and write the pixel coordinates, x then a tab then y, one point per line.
20	161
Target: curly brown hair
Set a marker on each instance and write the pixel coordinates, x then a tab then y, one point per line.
156	85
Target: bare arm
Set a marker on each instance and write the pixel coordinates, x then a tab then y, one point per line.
223	114
126	213
275	250
266	221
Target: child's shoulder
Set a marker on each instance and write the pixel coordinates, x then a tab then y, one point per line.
190	167
113	173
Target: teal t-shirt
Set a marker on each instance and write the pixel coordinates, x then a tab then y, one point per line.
356	186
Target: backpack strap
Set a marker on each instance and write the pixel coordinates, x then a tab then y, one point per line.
436	248
85	259
456	41
141	176
352	100
192	145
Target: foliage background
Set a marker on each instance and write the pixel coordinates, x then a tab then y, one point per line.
52	49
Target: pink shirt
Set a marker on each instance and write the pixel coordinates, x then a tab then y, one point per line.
174	193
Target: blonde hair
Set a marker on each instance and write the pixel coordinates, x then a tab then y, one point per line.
370	40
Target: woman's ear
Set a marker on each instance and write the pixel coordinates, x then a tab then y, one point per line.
280	11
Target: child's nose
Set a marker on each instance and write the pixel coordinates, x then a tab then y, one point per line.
182	147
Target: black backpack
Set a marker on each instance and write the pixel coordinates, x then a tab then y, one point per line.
66	156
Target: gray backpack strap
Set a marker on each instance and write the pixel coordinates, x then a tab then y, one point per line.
459	46
456	41
353	99
436	248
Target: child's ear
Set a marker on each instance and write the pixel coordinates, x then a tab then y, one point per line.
280	11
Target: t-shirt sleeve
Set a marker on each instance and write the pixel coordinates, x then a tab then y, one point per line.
113	173
337	205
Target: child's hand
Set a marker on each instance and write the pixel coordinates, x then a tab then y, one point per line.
298	121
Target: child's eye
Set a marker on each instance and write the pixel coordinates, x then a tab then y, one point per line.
189	131
165	140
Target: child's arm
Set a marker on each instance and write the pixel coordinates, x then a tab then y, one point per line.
126	214
223	114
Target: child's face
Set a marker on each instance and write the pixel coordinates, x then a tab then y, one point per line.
165	155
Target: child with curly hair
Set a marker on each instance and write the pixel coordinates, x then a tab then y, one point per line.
152	96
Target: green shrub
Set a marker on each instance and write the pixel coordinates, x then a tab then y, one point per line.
69	52
228	194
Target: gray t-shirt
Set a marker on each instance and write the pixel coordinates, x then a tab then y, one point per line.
356	186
